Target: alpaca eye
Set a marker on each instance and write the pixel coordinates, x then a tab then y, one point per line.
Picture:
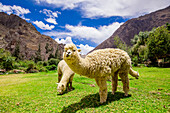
74	50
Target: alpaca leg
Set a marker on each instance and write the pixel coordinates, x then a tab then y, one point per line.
70	81
114	82
71	88
67	87
59	77
125	81
102	89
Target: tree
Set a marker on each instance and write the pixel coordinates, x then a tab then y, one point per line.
38	54
46	47
51	56
158	43
139	50
17	51
152	45
121	45
56	53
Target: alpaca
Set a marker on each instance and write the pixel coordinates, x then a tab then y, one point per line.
99	65
66	79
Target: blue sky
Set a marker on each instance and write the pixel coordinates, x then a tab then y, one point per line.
86	23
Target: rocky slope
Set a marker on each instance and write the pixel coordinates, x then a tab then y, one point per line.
133	26
14	31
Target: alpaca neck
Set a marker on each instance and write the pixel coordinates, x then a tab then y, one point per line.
65	79
80	66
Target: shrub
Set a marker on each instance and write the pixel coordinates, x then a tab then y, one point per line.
51	67
30	67
53	61
6	60
135	61
45	63
40	63
16	65
41	68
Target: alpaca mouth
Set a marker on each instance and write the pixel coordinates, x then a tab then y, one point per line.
69	59
67	55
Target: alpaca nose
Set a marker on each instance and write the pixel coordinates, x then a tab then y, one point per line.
68	53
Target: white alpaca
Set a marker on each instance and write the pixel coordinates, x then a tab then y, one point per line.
99	65
66	79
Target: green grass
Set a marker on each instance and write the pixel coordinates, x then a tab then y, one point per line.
38	93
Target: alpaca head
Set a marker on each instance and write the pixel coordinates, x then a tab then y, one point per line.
61	88
71	53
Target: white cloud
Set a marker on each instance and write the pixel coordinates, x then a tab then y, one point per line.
43	26
52	15
85	48
96	35
107	8
51	20
68	40
65	4
14	9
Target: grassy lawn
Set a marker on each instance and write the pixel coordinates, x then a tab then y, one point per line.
38	93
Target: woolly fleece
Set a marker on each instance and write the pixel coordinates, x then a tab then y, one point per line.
99	65
66	79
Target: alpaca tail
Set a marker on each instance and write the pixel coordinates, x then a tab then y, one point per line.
134	73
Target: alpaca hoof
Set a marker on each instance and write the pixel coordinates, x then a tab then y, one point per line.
102	101
68	90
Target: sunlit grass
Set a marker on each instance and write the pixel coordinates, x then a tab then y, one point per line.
37	93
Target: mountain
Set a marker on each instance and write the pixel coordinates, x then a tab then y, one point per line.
133	26
15	32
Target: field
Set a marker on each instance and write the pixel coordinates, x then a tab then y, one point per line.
37	93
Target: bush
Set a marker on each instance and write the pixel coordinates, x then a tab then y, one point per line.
51	67
135	61
45	63
22	65
8	63
40	63
16	65
53	61
30	67
41	68
6	60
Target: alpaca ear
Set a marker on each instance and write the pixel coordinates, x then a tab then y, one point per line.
79	50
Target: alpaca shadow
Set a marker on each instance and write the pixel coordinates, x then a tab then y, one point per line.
65	92
92	101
